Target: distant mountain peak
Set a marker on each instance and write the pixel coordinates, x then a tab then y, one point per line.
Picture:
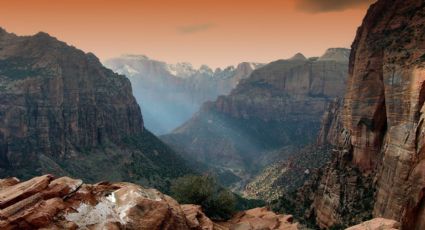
2	30
182	69
42	34
298	57
135	56
248	65
171	93
336	54
5	34
204	69
45	37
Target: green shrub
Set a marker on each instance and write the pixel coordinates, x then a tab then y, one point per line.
218	203
243	204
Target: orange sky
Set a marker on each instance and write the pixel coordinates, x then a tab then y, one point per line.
213	32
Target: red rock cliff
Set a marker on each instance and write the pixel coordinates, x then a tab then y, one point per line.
382	119
62	112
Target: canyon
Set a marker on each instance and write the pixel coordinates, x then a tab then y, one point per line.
267	117
169	94
329	142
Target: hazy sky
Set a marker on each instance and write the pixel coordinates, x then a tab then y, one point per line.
213	32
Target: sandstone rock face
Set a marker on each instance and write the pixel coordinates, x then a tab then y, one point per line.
170	94
196	219
279	105
377	224
62	112
65	203
53	93
344	196
331	131
259	219
378	133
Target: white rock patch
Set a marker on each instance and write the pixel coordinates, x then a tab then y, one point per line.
100	214
112	208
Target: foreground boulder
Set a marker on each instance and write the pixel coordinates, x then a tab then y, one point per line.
260	219
64	203
196	219
377	224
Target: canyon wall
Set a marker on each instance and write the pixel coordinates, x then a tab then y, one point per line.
62	112
377	133
271	113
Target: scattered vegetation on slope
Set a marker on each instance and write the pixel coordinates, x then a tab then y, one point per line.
217	202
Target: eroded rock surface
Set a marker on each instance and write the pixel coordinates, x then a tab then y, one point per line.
196	219
62	112
64	203
377	134
260	219
377	224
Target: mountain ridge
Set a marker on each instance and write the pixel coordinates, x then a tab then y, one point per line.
170	94
62	112
278	105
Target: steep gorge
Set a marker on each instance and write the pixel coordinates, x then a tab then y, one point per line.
268	115
170	94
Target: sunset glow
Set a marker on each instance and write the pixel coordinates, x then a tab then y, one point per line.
213	32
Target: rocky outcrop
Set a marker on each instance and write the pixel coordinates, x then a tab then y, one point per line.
259	219
279	106
65	203
344	196
331	130
62	112
196	219
377	134
170	94
377	224
46	202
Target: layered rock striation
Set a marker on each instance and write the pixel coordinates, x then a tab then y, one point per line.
62	112
279	106
46	202
377	223
377	133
